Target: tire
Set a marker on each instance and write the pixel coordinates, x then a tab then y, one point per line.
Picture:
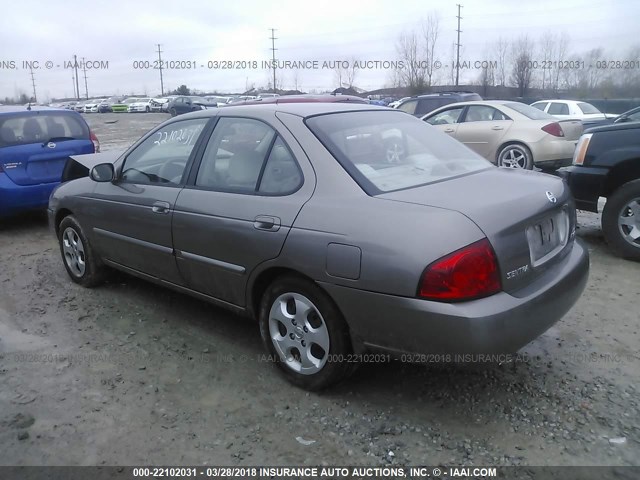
173	112
286	333
78	256
515	155
621	221
147	109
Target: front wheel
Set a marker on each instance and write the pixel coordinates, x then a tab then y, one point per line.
78	256
304	333
621	221
515	156
173	112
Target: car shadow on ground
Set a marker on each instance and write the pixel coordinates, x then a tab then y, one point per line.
35	220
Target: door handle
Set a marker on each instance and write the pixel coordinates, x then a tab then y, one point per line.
497	127
448	130
161	207
267	222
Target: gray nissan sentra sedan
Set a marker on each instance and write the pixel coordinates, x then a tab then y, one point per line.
342	229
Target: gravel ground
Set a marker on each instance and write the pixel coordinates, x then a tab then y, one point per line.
130	373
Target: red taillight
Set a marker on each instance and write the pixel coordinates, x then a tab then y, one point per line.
466	274
96	142
554	129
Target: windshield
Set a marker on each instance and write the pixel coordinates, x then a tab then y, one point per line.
528	111
587	108
389	150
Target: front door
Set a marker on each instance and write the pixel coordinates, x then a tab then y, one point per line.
132	215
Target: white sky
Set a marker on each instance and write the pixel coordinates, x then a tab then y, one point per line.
201	30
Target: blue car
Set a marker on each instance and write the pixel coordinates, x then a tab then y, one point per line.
35	143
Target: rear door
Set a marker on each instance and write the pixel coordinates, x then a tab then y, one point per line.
482	129
35	145
239	206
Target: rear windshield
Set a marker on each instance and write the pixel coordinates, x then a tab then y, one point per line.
389	150
528	111
41	127
587	108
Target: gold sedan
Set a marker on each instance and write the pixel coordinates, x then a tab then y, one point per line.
509	134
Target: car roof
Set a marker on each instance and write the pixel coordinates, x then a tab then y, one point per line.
558	100
23	109
300	109
328	98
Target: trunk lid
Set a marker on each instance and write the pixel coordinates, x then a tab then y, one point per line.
522	222
572	129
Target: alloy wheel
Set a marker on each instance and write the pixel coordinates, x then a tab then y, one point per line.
629	222
299	333
74	254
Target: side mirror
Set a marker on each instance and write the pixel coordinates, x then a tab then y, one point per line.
102	172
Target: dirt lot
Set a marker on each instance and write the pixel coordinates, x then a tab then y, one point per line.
130	373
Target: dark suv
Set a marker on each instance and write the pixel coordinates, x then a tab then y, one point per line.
606	163
422	104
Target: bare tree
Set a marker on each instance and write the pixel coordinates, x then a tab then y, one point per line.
502	53
593	74
562	47
430	33
339	73
487	77
351	72
522	70
629	79
547	49
296	80
413	74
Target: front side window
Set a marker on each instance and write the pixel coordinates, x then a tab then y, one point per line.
162	157
558	109
247	156
446	117
386	151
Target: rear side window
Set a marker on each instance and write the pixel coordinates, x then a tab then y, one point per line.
385	151
427	105
587	108
409	107
528	111
40	128
247	156
540	106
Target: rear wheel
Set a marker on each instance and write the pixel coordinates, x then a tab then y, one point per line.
304	333
515	155
621	221
173	112
147	109
78	256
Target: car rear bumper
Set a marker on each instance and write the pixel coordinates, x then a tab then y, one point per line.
553	153
502	323
16	198
585	184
